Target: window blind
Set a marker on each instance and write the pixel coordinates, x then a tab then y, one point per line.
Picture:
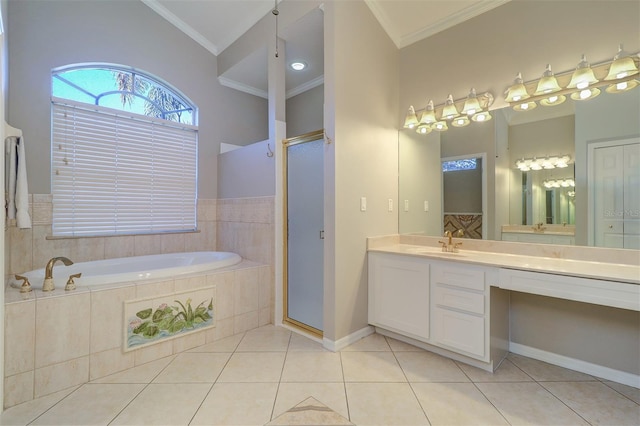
114	173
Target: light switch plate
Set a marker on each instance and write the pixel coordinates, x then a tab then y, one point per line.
426	206
390	204
406	205
363	204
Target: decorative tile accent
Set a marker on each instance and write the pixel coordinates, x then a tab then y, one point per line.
310	412
150	320
471	224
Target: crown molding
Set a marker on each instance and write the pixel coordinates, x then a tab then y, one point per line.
405	40
181	25
305	86
233	84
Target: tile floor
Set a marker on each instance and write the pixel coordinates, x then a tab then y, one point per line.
272	376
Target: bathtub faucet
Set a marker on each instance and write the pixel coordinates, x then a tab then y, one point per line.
48	272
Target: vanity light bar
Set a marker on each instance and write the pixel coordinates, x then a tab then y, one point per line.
457	113
526	164
618	75
559	183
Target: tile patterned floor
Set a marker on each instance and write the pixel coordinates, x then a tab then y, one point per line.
272	376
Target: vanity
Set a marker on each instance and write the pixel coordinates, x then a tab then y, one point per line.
457	304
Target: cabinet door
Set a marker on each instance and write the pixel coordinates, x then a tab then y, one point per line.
459	331
399	294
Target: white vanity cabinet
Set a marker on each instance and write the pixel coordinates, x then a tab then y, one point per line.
399	294
443	304
460	303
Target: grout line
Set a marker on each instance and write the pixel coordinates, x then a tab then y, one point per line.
273	407
344	387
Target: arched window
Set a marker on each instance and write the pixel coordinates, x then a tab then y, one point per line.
123	153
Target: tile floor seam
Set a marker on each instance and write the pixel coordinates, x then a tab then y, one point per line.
284	362
489	401
128	403
562	402
344	386
413	391
619	393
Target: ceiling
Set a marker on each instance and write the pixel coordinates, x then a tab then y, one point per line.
216	24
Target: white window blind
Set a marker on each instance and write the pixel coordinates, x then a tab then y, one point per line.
114	173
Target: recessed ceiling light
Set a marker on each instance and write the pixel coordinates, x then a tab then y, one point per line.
298	66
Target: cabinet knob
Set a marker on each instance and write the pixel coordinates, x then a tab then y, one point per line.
610	226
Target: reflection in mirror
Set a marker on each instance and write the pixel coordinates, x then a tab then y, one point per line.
525	207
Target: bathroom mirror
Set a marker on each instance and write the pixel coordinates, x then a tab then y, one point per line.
517	198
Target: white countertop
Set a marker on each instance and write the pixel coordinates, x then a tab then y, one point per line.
576	268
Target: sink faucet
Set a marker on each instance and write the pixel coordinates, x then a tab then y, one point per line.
450	246
48	272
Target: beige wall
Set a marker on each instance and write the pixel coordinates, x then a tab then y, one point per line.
362	101
45	35
247	171
304	112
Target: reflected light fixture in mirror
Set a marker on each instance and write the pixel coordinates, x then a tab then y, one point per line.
526	164
619	75
458	113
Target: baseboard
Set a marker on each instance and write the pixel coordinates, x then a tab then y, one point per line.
336	345
577	365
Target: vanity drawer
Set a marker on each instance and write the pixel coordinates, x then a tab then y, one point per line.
464	300
459	331
461	276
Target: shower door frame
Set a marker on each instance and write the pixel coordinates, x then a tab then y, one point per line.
286	143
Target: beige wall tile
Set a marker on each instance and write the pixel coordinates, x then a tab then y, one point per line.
154	289
245	322
21	250
246	293
185	284
42	212
19	336
44	249
61	376
172	243
87	249
107	327
153	352
265	316
224	328
189	341
115	247
147	244
111	361
62	328
224	283
18	388
265	286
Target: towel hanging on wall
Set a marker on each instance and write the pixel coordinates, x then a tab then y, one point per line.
16	179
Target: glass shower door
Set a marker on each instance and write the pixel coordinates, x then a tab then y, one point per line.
304	231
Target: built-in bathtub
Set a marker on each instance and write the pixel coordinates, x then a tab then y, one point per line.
128	269
60	339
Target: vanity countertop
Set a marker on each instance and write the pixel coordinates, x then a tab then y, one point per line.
576	268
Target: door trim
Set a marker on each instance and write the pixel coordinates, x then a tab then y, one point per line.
286	143
591	147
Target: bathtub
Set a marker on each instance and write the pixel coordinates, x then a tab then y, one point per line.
128	269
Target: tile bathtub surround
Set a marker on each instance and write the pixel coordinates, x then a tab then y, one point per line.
210	385
29	249
59	340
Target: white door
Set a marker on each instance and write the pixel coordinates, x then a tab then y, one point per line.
631	178
616	188
305	228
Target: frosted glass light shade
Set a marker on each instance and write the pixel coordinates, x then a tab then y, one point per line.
622	86
516	92
471	105
449	111
429	115
423	129
411	120
623	65
482	117
585	94
525	106
548	83
440	126
583	76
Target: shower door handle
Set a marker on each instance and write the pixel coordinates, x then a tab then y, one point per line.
322	234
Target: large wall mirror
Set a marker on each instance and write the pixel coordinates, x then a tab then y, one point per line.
538	204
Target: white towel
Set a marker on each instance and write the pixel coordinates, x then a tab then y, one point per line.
18	190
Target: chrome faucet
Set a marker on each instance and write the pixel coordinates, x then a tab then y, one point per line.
48	272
